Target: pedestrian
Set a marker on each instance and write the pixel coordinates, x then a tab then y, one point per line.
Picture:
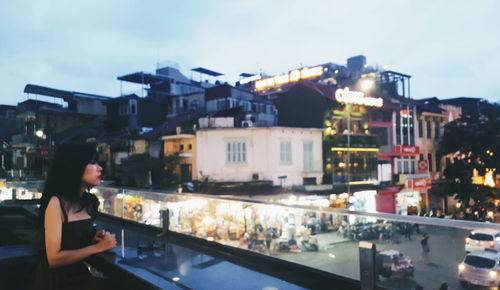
424	242
408	231
67	213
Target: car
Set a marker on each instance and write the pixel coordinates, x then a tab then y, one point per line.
392	263
478	240
480	268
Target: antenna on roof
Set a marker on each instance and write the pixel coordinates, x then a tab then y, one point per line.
157	58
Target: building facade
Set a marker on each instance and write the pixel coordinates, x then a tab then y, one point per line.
285	156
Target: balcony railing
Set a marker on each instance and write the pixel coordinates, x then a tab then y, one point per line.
319	237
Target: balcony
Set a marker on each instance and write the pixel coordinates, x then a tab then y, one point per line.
357	141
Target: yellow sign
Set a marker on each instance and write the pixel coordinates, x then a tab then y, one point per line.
358	98
293	76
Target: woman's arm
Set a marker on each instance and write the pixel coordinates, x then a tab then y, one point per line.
53	236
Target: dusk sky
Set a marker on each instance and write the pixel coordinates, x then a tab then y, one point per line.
450	48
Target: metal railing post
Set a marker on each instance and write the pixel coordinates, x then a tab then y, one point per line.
367	266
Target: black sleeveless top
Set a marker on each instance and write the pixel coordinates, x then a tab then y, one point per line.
75	235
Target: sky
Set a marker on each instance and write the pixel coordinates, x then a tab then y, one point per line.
450	48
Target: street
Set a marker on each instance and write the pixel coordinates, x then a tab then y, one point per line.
340	256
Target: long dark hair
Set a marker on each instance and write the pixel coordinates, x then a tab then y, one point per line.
64	178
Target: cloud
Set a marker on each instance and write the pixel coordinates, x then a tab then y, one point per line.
450	50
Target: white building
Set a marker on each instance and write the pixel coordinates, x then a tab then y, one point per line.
287	156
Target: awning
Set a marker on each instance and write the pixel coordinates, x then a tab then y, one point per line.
206	71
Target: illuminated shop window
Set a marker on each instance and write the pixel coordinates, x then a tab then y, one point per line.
360	166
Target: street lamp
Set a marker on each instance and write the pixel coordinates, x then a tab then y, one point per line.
367	84
44	151
39	133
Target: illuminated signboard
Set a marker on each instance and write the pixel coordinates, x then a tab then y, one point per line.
293	76
406	150
420	183
358	98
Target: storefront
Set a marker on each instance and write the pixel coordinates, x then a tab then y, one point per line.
363	201
408	202
130	206
249	225
339	200
350	150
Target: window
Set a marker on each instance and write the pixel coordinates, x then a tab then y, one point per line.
236	152
420	129
182	147
429	157
308	156
429	129
404	125
195	104
405	165
190	146
221	104
436	130
438	164
123	109
286	152
382	134
133	107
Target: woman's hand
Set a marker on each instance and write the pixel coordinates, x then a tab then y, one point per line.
106	242
99	235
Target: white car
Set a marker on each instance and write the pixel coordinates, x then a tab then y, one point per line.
480	268
479	240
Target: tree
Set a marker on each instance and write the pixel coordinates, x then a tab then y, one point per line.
471	143
142	170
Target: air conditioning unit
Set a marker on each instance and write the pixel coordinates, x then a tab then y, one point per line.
246	124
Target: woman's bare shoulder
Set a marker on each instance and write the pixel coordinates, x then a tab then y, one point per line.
54	203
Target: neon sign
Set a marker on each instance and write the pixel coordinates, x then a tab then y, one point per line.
293	76
358	98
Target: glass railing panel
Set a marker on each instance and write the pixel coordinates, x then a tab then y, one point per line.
138	206
412	250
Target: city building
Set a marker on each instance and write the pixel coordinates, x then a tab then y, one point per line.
286	156
172	92
184	146
247	109
42	125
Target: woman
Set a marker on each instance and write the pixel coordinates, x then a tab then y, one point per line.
67	213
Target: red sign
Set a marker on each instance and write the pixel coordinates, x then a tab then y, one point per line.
406	150
43	150
420	183
423	165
